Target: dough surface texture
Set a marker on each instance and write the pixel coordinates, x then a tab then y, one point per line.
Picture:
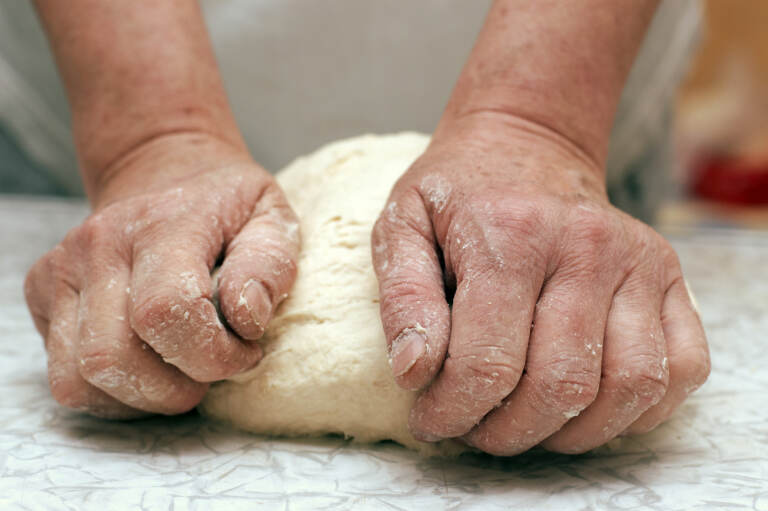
325	368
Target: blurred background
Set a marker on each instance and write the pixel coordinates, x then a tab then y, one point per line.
720	129
721	123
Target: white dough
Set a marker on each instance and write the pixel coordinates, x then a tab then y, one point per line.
325	368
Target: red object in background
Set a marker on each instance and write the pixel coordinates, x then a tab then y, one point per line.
731	180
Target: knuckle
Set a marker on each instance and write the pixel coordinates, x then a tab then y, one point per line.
30	283
214	356
169	399
406	215
383	229
495	442
400	293
96	364
169	323
667	251
65	392
695	368
149	312
653	249
188	335
669	259
58	270
650	386
37	270
218	368
704	368
489	369
34	283
380	229
59	262
95	231
394	217
209	373
515	216
408	270
181	403
593	233
272	197
379	246
593	226
154	314
435	191
565	386
277	277
492	235
643	384
526	219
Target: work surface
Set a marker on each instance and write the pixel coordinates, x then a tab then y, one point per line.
712	454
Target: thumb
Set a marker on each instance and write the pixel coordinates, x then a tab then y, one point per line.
414	311
259	267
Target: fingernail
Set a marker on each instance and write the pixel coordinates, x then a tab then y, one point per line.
691	296
407	348
256	301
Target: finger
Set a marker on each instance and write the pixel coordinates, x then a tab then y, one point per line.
39	285
38	293
490	325
260	267
67	386
562	371
688	354
170	307
114	359
635	371
414	311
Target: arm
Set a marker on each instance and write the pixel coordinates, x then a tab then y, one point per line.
569	322
558	66
135	72
125	301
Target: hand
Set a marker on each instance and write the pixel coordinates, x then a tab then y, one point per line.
528	308
124	303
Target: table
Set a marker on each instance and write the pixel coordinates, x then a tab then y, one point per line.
712	454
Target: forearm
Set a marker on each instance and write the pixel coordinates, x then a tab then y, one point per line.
134	72
554	65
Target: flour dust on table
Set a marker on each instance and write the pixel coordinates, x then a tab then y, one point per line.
325	368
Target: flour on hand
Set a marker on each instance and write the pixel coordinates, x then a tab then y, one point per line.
325	368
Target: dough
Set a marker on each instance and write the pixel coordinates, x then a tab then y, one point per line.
325	368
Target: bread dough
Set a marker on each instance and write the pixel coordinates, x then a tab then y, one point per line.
325	368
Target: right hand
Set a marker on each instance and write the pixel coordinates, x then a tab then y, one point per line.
528	309
124	302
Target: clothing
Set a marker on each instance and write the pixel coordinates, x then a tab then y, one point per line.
300	74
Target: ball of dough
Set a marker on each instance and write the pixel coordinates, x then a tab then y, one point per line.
325	368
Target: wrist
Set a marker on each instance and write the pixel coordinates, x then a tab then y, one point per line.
534	120
541	158
106	135
560	67
162	161
135	73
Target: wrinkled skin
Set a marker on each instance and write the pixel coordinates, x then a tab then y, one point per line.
571	322
124	301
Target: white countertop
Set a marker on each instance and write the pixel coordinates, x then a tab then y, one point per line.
713	453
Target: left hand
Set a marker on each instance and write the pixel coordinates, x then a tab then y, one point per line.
570	323
125	302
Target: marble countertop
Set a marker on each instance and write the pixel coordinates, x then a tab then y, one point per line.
713	454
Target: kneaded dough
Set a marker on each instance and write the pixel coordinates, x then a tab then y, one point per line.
325	368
